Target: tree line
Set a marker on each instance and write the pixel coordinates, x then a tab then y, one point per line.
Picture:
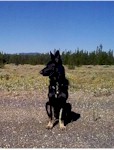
77	58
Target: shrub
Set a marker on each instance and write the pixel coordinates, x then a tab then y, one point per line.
71	67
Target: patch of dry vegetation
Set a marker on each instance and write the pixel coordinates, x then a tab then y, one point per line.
22	77
98	79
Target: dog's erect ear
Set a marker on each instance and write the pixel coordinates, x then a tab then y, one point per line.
52	56
57	54
57	57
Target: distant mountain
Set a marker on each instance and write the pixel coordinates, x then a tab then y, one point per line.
32	53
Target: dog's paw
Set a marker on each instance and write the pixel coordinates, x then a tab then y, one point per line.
62	126
50	125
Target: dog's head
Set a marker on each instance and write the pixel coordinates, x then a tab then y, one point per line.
53	67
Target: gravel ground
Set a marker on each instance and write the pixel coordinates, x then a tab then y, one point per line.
23	120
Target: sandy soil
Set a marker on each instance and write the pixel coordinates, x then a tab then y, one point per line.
23	120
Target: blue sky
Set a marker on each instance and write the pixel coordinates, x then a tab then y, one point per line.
43	26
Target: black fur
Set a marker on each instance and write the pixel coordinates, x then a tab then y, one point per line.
58	88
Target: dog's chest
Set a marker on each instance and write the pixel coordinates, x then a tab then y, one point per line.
56	89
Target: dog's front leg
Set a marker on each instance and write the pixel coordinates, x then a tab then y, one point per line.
50	124
61	120
50	113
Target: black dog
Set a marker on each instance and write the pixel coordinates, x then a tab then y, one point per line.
56	107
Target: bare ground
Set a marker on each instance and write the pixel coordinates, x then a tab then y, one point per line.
23	120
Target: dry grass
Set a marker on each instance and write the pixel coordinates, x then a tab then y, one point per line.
98	79
22	77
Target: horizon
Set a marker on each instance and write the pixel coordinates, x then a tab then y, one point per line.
53	51
42	26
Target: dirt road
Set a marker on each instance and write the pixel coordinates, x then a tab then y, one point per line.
23	120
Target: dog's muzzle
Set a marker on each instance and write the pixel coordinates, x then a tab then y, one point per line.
41	72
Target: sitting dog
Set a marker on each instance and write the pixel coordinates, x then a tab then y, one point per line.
56	107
